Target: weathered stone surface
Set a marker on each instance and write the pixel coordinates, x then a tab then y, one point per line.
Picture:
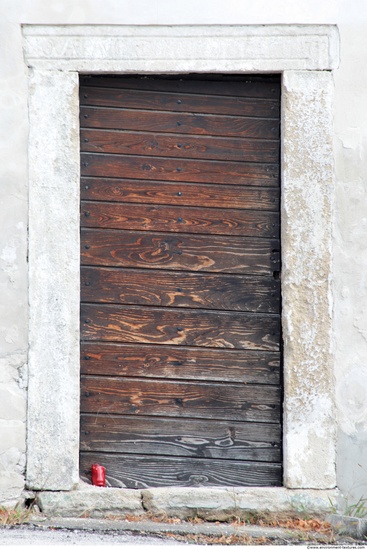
223	503
11	486
165	48
91	502
53	391
309	400
347	525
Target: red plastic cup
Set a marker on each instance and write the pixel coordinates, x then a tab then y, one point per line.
98	475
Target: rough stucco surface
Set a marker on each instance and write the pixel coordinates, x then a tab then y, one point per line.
309	412
349	287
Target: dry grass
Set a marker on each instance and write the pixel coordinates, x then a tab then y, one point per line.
14	516
306	529
286	521
243	540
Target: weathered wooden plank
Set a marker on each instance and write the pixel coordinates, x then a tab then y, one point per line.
167	169
202	328
179	252
175	289
171	145
240	86
178	102
180	219
179	123
183	194
139	471
178	437
107	395
175	362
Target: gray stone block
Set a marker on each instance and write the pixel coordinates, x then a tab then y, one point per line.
348	525
223	503
90	502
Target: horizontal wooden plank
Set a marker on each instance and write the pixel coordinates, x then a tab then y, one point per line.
175	362
175	289
183	194
171	145
178	437
228	85
211	253
166	169
200	328
105	395
178	102
139	471
179	123
180	219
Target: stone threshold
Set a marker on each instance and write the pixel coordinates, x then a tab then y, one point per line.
209	503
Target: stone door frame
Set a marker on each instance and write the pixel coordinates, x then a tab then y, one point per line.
55	55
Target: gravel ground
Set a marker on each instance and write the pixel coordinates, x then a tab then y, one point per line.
89	532
24	535
28	535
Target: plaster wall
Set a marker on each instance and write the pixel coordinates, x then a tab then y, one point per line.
349	258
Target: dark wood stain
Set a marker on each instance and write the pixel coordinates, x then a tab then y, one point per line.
166	145
178	123
180	289
202	328
182	399
180	280
183	194
181	363
139	471
249	86
215	221
168	169
180	437
219	254
179	102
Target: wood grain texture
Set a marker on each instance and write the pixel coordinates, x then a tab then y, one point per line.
200	328
178	102
139	471
180	291
229	85
180	219
179	123
167	169
175	362
181	146
236	402
179	437
189	290
171	251
183	194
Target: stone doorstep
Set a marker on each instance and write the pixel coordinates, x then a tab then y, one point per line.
209	503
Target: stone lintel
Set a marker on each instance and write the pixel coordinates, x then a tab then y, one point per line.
215	48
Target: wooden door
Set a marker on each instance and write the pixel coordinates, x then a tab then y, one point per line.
180	290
